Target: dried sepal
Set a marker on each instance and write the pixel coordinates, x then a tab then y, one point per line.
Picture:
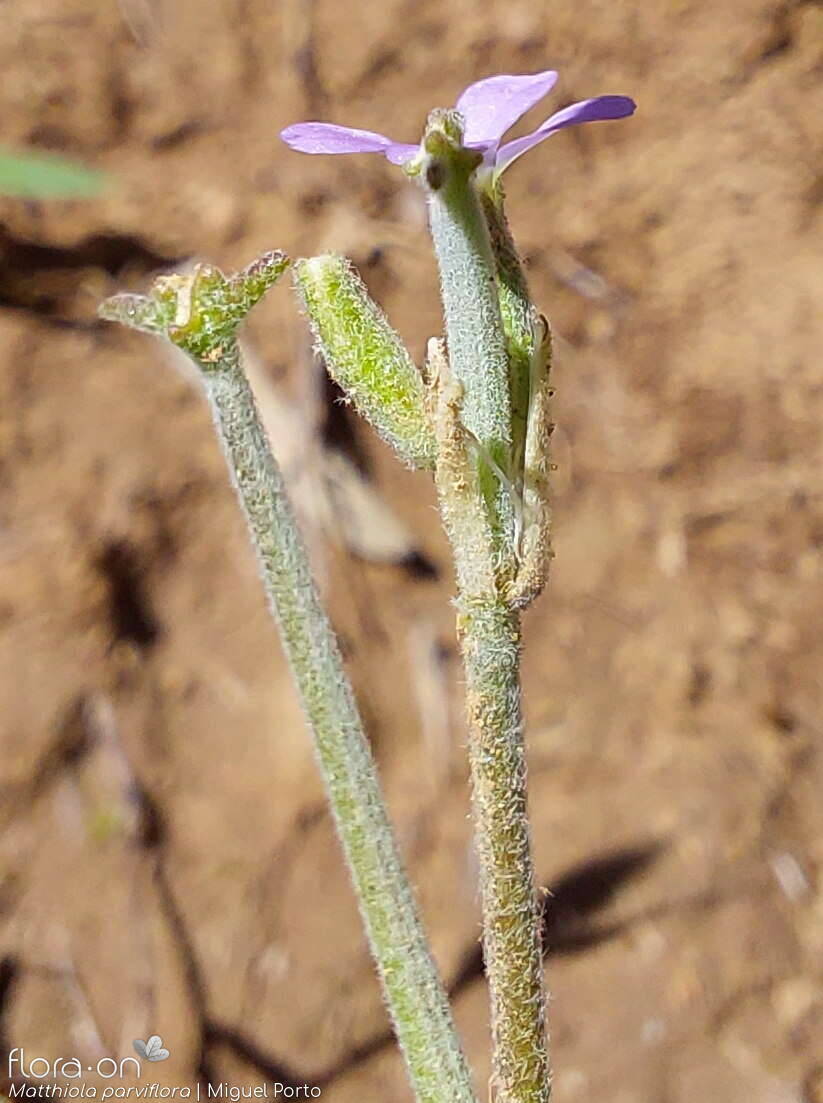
461	500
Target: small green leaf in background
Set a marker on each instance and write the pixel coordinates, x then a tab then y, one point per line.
42	176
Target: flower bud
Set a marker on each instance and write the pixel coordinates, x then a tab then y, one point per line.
365	356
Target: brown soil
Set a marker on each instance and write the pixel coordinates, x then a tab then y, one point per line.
167	861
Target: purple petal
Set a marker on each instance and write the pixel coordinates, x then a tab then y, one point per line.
400	152
491	106
587	111
329	138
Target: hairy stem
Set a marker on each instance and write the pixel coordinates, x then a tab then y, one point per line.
413	990
474	405
490	639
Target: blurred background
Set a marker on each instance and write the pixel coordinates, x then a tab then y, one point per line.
167	861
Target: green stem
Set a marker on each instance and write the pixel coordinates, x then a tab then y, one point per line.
414	993
475	404
490	637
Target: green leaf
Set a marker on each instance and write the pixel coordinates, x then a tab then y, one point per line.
42	176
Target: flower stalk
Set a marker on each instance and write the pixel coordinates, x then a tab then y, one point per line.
200	313
489	633
474	406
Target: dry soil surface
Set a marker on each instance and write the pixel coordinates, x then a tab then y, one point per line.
167	861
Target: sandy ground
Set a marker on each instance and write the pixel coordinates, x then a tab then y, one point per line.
167	861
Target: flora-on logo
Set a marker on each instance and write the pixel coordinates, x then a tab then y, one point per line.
152	1050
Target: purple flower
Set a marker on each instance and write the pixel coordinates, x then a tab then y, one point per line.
489	108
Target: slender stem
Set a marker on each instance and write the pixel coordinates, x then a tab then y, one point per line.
413	990
475	405
490	638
